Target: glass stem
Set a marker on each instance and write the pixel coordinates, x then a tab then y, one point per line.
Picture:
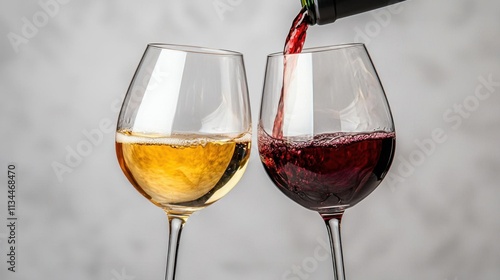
175	228
333	226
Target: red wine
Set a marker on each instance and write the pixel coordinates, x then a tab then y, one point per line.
296	37
294	44
329	172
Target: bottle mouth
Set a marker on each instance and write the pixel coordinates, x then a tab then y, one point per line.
307	3
309	6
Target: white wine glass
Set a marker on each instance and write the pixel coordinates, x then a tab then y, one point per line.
184	131
326	134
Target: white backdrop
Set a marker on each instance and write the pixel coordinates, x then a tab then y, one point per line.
66	65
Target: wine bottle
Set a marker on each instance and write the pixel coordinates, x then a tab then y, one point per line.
327	11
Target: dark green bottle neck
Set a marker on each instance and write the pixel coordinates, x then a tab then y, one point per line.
328	11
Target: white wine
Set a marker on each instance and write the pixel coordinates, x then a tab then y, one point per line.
182	173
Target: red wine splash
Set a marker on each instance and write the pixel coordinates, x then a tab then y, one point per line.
294	44
330	171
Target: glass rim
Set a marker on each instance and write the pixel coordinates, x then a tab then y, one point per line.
320	49
194	49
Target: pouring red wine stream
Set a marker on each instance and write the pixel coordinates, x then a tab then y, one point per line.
294	44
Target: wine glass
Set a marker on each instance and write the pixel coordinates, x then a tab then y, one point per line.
184	131
326	136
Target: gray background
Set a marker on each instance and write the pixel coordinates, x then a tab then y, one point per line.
436	217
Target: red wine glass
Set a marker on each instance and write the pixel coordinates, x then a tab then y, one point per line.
326	136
